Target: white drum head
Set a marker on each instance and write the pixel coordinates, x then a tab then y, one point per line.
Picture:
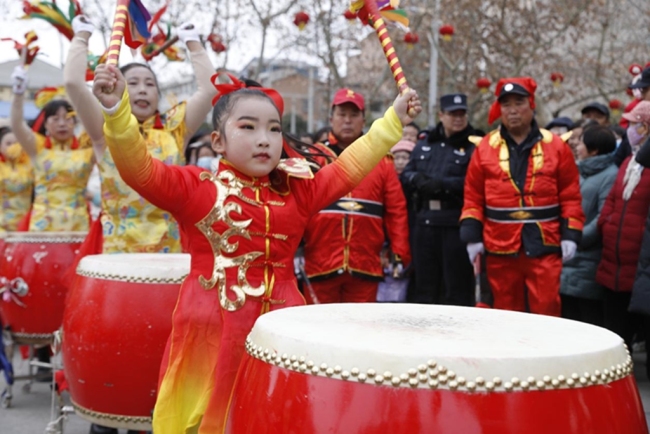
412	345
46	237
137	267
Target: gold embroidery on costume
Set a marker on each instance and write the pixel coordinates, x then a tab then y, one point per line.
228	185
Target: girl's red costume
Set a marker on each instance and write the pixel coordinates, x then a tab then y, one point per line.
242	234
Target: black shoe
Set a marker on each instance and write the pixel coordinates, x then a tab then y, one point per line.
98	429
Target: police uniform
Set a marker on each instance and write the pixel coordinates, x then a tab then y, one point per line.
434	178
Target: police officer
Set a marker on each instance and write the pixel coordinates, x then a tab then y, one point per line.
435	175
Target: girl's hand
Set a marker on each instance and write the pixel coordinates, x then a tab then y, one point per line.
407	106
109	85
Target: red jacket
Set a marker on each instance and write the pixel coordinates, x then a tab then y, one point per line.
622	224
348	235
534	218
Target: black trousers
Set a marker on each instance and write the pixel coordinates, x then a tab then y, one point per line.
443	273
617	318
583	309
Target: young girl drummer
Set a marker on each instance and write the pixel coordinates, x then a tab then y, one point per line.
244	223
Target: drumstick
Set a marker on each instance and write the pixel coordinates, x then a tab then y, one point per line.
117	34
379	25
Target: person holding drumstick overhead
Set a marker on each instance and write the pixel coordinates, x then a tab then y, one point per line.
128	223
243	222
62	162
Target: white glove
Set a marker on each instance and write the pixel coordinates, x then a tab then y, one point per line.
568	250
475	249
81	23
19	80
188	32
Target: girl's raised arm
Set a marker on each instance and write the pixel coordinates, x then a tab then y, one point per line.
200	103
85	104
23	133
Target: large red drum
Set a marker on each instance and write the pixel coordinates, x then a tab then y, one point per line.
375	368
117	320
33	290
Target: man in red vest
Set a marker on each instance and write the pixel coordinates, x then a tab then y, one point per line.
522	204
343	242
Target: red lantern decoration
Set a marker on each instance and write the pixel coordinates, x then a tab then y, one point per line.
411	38
483	84
557	79
615	106
635	69
301	19
349	15
216	43
447	31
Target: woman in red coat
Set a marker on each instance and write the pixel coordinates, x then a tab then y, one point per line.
622	223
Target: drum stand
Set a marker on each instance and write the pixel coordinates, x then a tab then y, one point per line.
58	411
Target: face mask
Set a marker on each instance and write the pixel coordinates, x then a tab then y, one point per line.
633	136
14	151
205	162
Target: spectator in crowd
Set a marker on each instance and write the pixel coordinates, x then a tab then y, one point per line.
411	132
522	204
401	153
436	174
343	241
559	126
576	134
307	138
597	112
641	89
622	225
321	135
582	297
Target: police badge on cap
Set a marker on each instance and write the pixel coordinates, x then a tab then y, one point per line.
453	101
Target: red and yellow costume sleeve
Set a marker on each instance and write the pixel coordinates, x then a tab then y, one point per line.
568	186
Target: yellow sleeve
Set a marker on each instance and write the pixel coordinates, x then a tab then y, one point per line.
364	154
127	146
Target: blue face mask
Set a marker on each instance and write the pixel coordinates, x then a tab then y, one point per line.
205	162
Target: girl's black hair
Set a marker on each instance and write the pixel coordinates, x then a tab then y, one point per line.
50	109
227	102
129	66
3	132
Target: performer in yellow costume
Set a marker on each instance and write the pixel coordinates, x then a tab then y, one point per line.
61	161
244	223
16	182
129	223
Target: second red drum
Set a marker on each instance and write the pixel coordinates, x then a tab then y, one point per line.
117	320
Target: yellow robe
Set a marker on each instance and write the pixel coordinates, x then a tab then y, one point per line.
61	175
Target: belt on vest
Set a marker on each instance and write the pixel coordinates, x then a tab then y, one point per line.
361	207
531	214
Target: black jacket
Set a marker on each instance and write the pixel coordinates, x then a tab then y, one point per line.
640	302
435	175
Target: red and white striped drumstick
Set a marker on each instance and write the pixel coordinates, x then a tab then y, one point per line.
117	34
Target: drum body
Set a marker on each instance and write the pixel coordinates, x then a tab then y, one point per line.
420	369
32	269
116	325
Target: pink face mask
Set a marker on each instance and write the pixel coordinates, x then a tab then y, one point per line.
633	136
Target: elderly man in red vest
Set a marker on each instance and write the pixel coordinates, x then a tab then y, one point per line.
522	204
343	241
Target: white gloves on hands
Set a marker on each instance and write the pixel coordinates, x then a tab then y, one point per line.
81	23
475	249
19	80
568	250
188	32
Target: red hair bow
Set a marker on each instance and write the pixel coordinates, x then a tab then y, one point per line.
226	88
